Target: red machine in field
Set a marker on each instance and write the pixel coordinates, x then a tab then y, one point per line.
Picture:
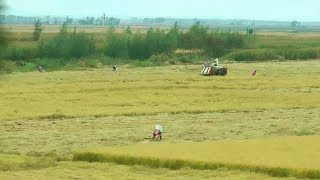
213	69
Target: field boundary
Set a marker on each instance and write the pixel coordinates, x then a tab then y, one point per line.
56	116
175	164
14	162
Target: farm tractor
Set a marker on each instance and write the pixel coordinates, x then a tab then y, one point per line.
213	69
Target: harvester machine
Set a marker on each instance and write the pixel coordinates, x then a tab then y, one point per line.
213	69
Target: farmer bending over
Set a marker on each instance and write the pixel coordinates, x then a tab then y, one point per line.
157	133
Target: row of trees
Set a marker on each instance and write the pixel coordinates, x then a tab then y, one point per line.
128	45
108	21
157	41
12	19
67	45
89	21
2	38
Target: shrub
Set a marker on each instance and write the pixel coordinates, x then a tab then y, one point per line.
159	58
138	47
6	66
252	55
156	41
50	64
37	30
291	54
16	54
215	44
22	66
89	63
273	54
117	44
3	39
67	45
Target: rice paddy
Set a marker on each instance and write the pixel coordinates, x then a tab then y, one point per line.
145	91
285	156
85	170
49	117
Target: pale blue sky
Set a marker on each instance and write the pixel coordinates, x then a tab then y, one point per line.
281	10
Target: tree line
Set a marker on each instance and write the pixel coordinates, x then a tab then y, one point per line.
2	38
48	20
128	45
157	41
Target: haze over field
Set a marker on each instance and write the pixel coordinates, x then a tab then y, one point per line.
284	10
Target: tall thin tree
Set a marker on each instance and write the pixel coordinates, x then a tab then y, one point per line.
37	30
2	36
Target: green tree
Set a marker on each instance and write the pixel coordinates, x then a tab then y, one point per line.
112	21
294	23
250	31
37	30
2	36
90	20
67	45
5	66
158	42
128	30
173	36
64	28
137	47
69	20
116	44
195	38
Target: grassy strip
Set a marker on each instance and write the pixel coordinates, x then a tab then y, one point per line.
20	162
273	54
175	164
55	116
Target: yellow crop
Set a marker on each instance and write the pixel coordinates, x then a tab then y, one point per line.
174	89
281	156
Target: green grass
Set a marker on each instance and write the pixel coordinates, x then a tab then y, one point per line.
284	40
273	54
280	157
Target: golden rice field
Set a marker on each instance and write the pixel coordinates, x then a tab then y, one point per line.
288	151
172	89
46	117
285	156
86	170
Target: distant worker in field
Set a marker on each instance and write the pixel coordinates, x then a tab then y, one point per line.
40	69
254	73
114	68
157	132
